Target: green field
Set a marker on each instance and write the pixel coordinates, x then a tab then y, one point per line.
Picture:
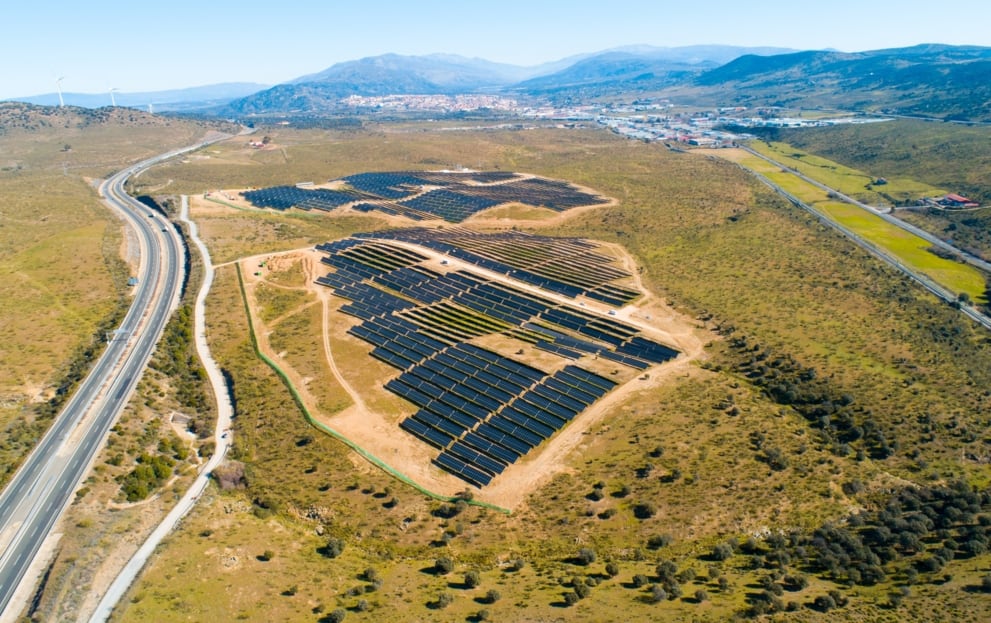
908	248
851	182
944	155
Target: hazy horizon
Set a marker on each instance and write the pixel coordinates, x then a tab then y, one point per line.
102	44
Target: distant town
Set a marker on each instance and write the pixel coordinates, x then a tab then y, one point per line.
646	119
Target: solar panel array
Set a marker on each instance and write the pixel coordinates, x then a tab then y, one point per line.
553	194
452	196
449	205
480	409
285	197
568	266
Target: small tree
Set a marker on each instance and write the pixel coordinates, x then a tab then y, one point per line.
472	579
336	616
444	565
644	510
657	594
492	596
701	595
824	603
586	556
658	541
640	580
723	551
612	569
333	548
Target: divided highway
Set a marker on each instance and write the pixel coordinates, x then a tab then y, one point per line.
41	489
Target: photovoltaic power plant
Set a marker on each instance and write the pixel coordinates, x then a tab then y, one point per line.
420	195
480	409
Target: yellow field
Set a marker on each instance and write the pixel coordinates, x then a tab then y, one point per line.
848	181
908	248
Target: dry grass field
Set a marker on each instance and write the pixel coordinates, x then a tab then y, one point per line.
665	475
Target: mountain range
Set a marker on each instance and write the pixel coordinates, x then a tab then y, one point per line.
950	82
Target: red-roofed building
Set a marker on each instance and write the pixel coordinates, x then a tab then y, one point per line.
953	200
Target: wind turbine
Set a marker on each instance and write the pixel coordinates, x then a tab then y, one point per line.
151	109
113	102
58	87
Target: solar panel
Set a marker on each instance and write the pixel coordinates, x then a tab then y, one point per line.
431	435
495	450
475	458
462	470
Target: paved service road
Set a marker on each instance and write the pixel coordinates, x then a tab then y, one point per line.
225	411
41	489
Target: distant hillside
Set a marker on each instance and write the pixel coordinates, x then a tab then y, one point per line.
636	68
624	69
390	74
948	82
176	99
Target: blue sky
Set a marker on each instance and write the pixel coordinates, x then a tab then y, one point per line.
149	45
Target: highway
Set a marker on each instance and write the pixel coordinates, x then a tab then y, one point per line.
42	488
